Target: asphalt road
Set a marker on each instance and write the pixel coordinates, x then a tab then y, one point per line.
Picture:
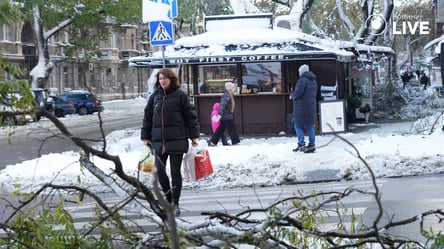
30	143
402	198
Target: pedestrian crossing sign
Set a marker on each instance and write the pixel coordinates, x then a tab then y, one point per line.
161	33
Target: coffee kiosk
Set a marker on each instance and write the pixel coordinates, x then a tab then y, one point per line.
261	60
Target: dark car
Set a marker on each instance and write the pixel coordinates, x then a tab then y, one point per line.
41	99
62	107
84	102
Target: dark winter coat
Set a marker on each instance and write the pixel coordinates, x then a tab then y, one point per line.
169	120
424	80
304	99
225	107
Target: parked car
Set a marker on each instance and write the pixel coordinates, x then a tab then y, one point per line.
40	100
7	116
61	106
84	102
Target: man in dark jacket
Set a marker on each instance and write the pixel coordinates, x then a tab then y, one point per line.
169	121
424	80
304	108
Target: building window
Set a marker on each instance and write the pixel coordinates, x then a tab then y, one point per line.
212	78
133	42
65	79
5	33
113	40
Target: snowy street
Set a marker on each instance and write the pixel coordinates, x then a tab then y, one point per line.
391	149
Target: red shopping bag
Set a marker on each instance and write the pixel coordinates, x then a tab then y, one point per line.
197	164
202	163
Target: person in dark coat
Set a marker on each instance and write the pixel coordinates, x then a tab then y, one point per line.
304	108
424	80
169	121
405	79
226	115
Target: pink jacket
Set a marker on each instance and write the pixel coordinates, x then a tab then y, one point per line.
215	112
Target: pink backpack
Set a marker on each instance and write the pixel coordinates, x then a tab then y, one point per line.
215	123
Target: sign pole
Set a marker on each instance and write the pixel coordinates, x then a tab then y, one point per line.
163	56
441	61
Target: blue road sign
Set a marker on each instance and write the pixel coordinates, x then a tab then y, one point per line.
161	33
172	13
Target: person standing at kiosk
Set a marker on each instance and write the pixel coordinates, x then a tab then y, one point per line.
304	108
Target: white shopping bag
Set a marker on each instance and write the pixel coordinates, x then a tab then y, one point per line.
189	167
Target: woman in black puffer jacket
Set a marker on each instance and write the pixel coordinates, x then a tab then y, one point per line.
169	121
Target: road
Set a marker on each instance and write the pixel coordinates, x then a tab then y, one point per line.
402	198
27	142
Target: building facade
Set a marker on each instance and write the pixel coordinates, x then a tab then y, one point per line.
439	16
108	76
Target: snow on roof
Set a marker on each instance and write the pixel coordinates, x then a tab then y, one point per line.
229	22
433	42
245	36
438	47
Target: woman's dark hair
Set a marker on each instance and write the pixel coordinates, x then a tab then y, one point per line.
170	74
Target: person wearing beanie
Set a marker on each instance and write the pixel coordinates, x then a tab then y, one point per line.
302	69
304	109
226	116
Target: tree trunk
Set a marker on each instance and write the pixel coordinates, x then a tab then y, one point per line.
40	73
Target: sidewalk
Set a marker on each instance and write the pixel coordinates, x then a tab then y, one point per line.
358	131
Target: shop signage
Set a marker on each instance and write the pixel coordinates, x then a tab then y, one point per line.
247	58
154	61
332	116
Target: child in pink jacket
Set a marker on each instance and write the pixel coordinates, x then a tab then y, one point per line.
215	121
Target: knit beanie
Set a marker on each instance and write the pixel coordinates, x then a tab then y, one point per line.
229	85
304	68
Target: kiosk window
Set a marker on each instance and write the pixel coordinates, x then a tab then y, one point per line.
212	78
262	77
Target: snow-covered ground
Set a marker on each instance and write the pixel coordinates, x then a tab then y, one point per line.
391	149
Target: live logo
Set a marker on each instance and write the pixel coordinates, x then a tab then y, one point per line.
411	28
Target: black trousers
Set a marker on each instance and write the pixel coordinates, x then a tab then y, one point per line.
172	192
229	125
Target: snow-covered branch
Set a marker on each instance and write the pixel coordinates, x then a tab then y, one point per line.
54	30
243	7
345	19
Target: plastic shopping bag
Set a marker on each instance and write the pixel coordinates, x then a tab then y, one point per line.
188	165
197	164
146	161
203	164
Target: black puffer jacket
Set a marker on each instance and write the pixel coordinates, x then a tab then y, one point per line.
169	120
